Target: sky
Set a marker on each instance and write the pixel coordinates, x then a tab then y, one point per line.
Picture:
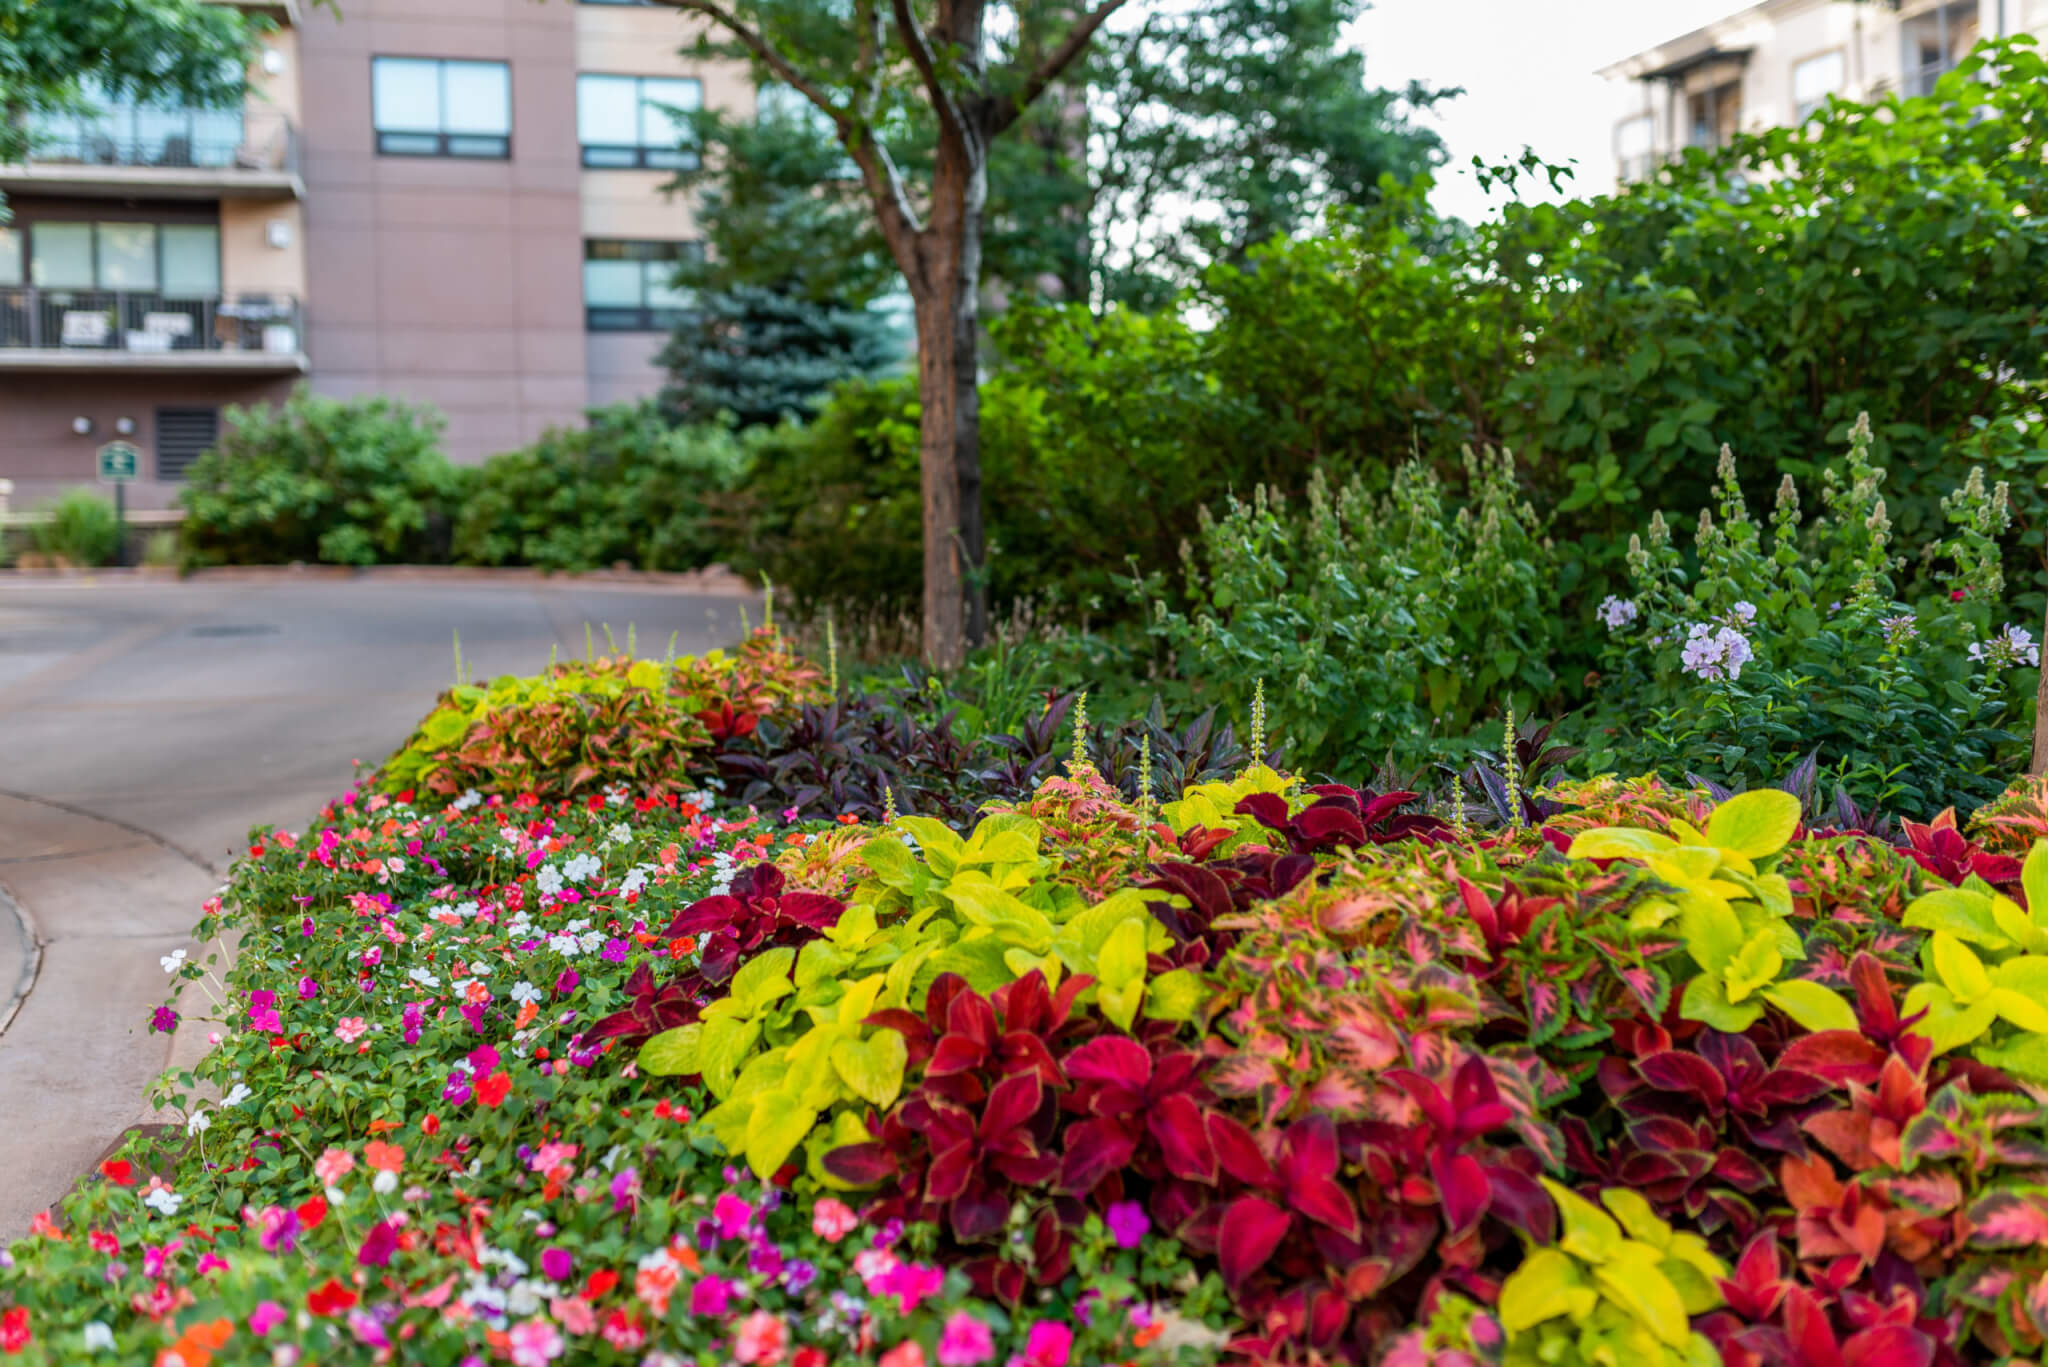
1527	67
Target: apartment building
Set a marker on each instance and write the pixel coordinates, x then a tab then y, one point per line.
1775	62
455	202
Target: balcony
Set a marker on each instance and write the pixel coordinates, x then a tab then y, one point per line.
55	331
163	154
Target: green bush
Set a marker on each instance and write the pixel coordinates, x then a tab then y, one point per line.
1759	650
627	487
344	481
81	527
1380	626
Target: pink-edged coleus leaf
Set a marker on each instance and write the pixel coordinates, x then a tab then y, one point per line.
2010	1219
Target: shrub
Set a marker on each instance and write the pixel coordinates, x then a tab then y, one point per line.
625	487
80	527
1381	625
1807	643
342	481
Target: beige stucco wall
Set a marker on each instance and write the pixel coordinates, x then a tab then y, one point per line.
248	263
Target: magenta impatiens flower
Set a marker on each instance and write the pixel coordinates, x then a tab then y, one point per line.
378	1245
266	1317
965	1341
556	1264
732	1215
1128	1223
1048	1345
712	1296
164	1020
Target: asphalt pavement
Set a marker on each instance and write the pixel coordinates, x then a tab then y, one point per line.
145	725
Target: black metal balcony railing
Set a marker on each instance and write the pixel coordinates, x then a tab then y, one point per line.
176	139
119	320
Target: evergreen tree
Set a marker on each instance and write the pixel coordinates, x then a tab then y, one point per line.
761	355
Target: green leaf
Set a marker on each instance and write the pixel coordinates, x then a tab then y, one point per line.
2021	1010
1176	995
1960	971
1016	921
873	1067
778	1124
1755	964
1705	1001
1637	1217
763	979
892	862
1815	1007
942	848
1634	1278
1754	824
1713	933
1588	1231
1619	842
1962	913
1122	960
2034	877
1547	1284
820	960
672	1053
722	1046
1946	1024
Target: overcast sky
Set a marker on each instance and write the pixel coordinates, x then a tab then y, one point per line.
1528	71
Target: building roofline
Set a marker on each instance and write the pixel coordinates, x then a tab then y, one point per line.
1727	37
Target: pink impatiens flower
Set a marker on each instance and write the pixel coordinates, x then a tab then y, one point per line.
965	1341
732	1215
1048	1345
266	1317
763	1338
333	1165
832	1220
351	1028
535	1343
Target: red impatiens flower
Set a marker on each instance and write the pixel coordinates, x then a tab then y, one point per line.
491	1091
312	1211
330	1298
15	1334
119	1171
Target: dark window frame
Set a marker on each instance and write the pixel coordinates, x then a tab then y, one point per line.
391	142
619	156
645	317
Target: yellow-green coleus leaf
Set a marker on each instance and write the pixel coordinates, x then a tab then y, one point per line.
1754	965
1546	1286
1754	825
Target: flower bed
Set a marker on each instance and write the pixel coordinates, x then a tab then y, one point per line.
1263	1071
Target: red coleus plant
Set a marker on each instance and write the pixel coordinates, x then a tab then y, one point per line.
651	1007
1946	852
1771	1320
757	914
1342	817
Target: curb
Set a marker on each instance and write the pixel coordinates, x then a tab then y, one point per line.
32	962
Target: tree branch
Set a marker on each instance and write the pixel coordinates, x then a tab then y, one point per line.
900	226
1056	61
919	45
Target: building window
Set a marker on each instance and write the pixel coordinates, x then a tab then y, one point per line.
1714	115
1813	80
630	286
430	107
626	121
172	260
1635	148
182	436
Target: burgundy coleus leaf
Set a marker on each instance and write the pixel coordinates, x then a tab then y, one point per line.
1307	1170
863	1165
1094	1149
1118	1076
650	1008
1946	852
1252	1228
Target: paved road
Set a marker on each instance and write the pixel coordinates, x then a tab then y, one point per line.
146	725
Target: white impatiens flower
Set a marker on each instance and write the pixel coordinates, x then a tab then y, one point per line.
548	879
197	1122
237	1094
582	867
424	978
173	961
98	1338
470	797
619	834
635	879
565	943
384	1183
162	1200
524	992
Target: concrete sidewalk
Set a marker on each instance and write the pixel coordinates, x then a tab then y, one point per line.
110	902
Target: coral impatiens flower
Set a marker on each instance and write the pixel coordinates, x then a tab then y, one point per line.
491	1091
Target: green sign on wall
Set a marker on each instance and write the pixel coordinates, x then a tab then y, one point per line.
119	462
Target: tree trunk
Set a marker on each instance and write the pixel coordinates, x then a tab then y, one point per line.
938	387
